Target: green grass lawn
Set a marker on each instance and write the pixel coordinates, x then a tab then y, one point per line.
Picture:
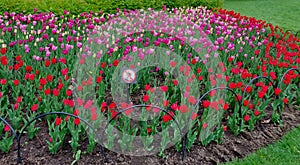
286	151
284	13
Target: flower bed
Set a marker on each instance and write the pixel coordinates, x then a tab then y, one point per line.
199	74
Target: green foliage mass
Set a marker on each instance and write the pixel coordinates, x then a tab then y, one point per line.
107	6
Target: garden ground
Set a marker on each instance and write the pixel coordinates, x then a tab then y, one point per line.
232	147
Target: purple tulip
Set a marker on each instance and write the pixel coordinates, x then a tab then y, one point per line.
79	45
65	52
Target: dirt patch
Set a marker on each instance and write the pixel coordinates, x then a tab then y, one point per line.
36	151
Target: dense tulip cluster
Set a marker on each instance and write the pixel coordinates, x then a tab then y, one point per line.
41	54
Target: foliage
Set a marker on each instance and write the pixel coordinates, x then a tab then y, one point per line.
107	6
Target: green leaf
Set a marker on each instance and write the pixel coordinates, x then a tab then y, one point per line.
77	157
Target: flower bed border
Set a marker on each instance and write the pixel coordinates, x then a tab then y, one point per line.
183	139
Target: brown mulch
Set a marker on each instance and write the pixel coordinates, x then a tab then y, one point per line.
36	151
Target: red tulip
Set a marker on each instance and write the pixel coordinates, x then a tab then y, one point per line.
64	71
285	100
164	88
183	108
256	113
145	98
204	125
16	82
34	107
205	103
58	121
3	50
277	91
247	118
115	63
76	121
6	128
165	103
43	81
55	92
225	107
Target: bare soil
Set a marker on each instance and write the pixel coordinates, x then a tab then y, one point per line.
36	151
